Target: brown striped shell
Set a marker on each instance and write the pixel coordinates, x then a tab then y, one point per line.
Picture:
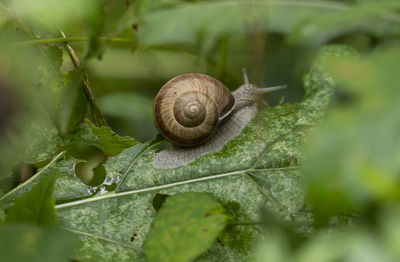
189	107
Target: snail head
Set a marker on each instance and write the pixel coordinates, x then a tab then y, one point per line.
249	93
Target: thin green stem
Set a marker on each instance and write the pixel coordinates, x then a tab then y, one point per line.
76	39
123	40
134	161
9	197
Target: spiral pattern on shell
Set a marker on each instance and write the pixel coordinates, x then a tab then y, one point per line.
188	108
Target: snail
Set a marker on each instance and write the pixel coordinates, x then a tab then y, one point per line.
199	115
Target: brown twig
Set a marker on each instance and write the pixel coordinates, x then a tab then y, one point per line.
96	115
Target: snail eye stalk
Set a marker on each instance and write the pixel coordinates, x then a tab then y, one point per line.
264	89
245	77
270	89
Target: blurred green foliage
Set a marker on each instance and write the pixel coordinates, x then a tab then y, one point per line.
56	57
29	232
40	211
351	169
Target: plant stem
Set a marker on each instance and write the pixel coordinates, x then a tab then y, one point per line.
76	39
96	115
70	51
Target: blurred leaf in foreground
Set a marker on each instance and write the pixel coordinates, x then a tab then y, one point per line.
36	206
42	104
2	216
27	243
52	14
186	226
95	27
20	106
63	97
21	238
354	158
359	242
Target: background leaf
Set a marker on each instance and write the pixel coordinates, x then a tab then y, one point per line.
276	16
22	238
95	27
369	16
72	106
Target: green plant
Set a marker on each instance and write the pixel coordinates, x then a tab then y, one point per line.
314	177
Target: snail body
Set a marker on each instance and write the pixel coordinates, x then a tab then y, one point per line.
199	115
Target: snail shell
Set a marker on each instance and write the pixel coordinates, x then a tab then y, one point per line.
235	111
189	107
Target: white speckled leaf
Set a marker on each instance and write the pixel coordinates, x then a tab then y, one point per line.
260	167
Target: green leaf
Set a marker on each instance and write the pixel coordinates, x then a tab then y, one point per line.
359	241
23	243
73	105
259	168
55	53
101	137
165	26
372	17
353	159
25	67
95	27
46	141
158	201
10	197
53	14
68	184
60	94
2	216
36	206
186	226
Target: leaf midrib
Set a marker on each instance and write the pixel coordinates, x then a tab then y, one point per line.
179	183
252	168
